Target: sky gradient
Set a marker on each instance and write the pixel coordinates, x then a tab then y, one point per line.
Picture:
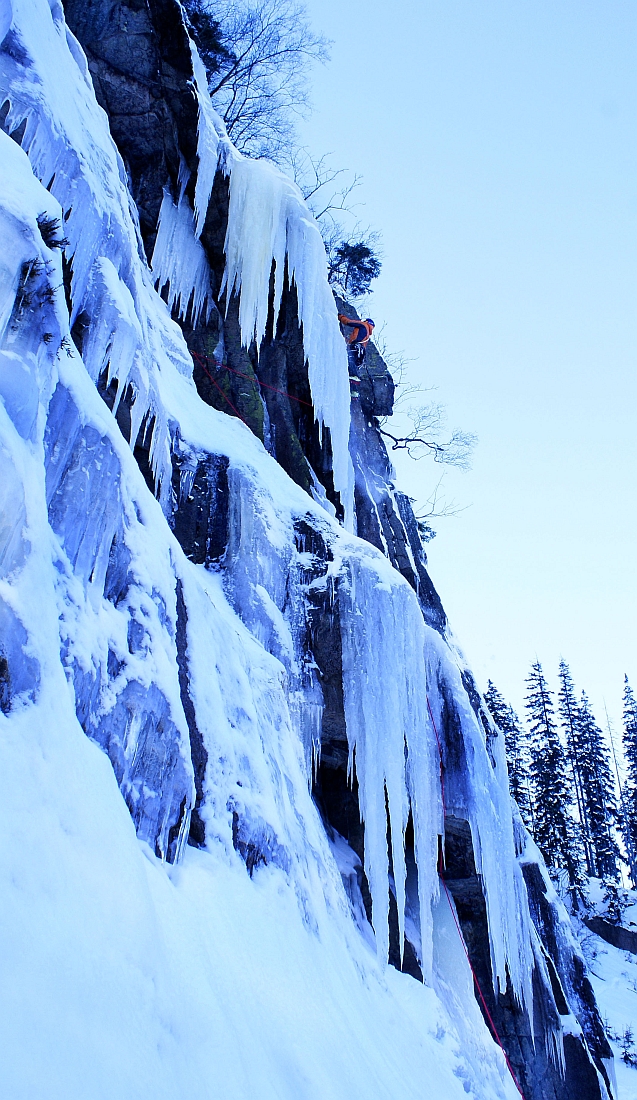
497	142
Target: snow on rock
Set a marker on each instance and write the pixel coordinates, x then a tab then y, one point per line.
123	975
143	689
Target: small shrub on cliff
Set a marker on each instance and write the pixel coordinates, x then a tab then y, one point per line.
629	1056
352	265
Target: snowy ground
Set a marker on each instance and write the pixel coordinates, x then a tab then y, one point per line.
130	978
614	977
613	974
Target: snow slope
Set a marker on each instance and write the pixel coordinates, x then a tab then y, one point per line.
135	965
614	978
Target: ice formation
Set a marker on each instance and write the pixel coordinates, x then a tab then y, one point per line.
179	261
392	744
89	575
212	142
270	227
262	196
198	693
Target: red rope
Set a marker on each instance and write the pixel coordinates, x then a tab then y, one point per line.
255	381
215	383
457	922
477	985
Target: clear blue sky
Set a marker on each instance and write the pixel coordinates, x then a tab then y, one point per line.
498	144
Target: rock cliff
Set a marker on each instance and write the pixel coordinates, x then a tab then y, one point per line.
239	602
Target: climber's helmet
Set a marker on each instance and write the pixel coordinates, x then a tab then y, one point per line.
369	321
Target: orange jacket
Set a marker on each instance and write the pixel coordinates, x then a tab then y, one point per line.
362	330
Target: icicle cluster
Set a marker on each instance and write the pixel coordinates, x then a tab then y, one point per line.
269	223
179	260
394	668
391	742
211	141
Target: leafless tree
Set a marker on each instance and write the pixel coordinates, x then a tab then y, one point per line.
427	438
353	251
437	507
398	363
315	176
261	80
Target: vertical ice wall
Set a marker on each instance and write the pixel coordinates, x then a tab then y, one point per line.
269	224
391	743
394	668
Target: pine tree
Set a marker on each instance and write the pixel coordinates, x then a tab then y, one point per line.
630	789
517	752
569	714
555	831
613	901
598	793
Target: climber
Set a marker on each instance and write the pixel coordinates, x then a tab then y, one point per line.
359	337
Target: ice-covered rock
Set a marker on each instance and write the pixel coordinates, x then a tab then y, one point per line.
194	649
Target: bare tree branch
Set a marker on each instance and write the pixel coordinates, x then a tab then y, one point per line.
258	79
438	508
428	423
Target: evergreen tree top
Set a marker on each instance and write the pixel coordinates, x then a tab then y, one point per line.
502	713
630	708
539	702
630	731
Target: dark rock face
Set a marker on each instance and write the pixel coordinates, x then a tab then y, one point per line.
201	494
5	685
139	56
198	752
559	984
614	934
370	380
384	516
535	1065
